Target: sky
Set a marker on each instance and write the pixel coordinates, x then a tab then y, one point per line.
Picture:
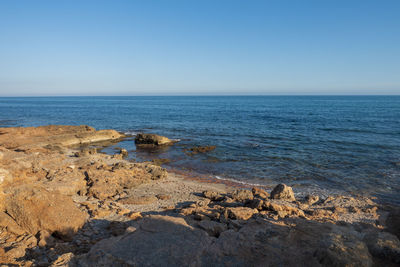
188	47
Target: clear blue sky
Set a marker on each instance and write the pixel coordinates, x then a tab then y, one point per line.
199	47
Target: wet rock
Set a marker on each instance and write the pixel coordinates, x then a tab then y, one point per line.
311	199
282	191
199	149
152	139
35	209
241	213
261	193
242	195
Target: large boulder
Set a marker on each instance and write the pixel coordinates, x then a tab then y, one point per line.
152	139
282	191
158	241
35	209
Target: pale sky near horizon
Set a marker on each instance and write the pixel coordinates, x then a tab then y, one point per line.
199	47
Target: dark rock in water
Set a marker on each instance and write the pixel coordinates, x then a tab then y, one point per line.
152	139
199	149
282	191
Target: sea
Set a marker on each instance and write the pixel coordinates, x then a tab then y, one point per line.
330	144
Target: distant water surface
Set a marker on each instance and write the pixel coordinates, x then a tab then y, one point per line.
339	143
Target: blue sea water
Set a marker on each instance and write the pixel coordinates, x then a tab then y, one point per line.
339	143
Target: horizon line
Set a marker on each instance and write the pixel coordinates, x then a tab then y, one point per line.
185	95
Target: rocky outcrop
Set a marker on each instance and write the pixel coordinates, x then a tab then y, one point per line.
143	139
35	209
34	138
282	191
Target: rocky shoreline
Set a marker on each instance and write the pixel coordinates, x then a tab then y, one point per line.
64	204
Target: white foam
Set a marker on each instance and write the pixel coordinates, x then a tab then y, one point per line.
237	181
131	133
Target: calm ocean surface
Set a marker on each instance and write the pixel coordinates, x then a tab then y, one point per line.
338	143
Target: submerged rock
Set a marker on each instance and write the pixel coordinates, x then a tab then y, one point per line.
199	149
282	191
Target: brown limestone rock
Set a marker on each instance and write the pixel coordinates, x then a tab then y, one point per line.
242	195
282	191
35	209
241	213
258	192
